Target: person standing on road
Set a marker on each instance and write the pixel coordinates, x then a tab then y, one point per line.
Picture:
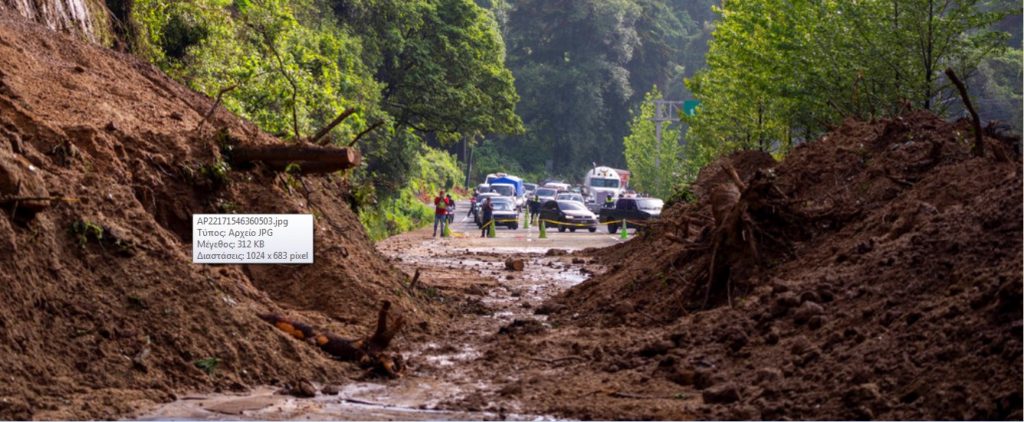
534	208
440	212
609	202
488	213
451	208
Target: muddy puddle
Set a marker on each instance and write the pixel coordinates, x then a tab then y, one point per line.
357	401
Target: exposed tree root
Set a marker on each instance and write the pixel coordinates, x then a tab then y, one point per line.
737	206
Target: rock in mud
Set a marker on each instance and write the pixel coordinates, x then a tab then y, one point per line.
522	326
673	371
556	252
704	378
330	390
300	388
514	264
723	394
656	348
548	308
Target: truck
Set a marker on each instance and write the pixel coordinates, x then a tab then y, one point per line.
600	183
635	211
519	191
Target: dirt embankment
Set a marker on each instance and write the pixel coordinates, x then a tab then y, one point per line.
101	309
874	273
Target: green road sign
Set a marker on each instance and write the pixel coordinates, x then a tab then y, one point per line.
690	107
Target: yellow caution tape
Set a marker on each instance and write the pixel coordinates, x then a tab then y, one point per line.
566	223
504	220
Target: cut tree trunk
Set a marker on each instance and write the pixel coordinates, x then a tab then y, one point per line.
309	158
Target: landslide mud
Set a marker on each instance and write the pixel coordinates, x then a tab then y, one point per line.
102	312
885	283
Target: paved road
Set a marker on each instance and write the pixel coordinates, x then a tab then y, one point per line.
466	234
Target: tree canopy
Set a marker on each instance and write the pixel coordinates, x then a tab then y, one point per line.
781	72
413	71
582	67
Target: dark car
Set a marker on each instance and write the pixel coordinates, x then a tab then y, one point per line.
569	215
634	210
504	213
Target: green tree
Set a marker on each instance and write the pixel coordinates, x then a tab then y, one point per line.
581	66
655	166
416	71
780	71
996	87
441	64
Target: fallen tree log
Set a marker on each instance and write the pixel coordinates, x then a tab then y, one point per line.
348	157
368	352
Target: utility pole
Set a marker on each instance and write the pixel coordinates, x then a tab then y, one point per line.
467	154
664	111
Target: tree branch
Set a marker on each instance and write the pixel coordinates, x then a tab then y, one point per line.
220	95
365	131
979	146
327	129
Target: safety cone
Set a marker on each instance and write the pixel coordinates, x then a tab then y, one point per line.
490	229
622	234
447	231
543	231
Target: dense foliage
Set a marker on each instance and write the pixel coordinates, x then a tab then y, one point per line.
780	72
581	66
415	71
431	75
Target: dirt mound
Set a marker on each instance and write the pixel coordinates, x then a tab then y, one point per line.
875	273
101	309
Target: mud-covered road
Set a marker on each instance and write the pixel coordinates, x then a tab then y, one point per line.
460	370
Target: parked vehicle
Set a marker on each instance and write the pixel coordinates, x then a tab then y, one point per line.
504	190
569	196
631	209
504	213
558	186
568	215
483	188
530	189
546	194
518	191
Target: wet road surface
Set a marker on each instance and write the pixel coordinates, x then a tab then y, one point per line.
443	370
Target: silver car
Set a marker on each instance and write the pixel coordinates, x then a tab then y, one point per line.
569	196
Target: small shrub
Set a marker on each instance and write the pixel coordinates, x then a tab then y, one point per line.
208	365
216	173
85	231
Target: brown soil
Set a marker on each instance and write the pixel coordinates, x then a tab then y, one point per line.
883	281
95	328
